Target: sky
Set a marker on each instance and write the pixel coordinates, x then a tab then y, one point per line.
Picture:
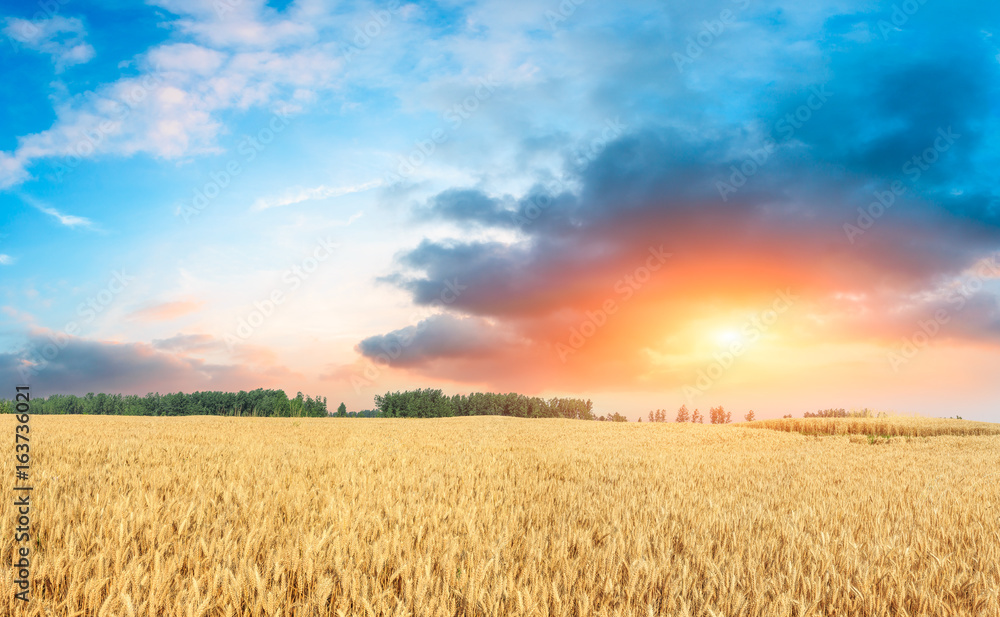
772	205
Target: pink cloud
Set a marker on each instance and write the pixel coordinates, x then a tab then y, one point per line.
165	311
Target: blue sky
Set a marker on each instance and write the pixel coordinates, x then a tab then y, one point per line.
207	153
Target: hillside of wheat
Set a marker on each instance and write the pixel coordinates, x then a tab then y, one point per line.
208	516
891	426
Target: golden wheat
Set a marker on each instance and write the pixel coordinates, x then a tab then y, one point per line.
206	516
891	426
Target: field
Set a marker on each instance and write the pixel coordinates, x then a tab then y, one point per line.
500	516
892	426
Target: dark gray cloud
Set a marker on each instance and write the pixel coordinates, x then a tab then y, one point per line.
439	336
189	342
769	161
654	189
54	363
469	206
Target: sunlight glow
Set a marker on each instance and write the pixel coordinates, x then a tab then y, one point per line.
727	337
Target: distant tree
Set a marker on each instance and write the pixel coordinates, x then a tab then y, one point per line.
749	417
787	415
718	415
430	403
682	414
640	419
826	413
342	410
651	418
259	402
697	417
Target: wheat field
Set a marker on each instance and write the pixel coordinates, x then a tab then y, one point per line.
891	426
214	516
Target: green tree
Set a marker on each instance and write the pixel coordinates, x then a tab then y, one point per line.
342	410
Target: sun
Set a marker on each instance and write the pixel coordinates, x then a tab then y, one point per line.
727	337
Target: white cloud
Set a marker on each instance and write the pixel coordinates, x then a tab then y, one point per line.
186	58
155	114
242	24
175	107
68	220
218	63
6	260
63	38
298	195
11	171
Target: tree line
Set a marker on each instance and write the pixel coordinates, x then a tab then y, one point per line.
431	403
257	403
838	413
424	403
716	415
